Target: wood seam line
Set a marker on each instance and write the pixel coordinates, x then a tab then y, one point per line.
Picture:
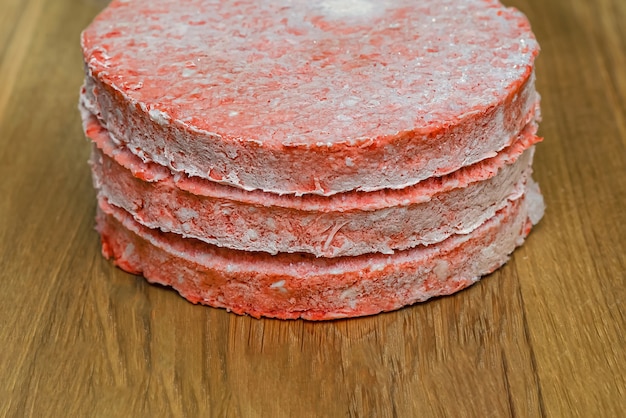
16	51
533	359
507	384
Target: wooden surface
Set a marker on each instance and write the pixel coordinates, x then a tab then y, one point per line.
543	336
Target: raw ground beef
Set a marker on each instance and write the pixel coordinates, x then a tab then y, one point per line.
312	96
317	160
289	286
352	223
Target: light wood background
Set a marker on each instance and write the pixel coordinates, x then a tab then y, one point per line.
544	336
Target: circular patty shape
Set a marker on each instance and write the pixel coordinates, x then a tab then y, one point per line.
293	96
298	286
346	224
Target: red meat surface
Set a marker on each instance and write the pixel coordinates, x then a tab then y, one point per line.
351	223
297	97
302	286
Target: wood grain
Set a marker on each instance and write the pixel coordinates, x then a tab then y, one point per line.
544	336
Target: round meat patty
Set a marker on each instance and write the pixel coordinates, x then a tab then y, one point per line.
299	97
350	223
291	286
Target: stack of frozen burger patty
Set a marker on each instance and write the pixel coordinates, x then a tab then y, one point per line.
311	159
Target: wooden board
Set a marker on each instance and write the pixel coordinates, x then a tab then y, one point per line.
543	336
